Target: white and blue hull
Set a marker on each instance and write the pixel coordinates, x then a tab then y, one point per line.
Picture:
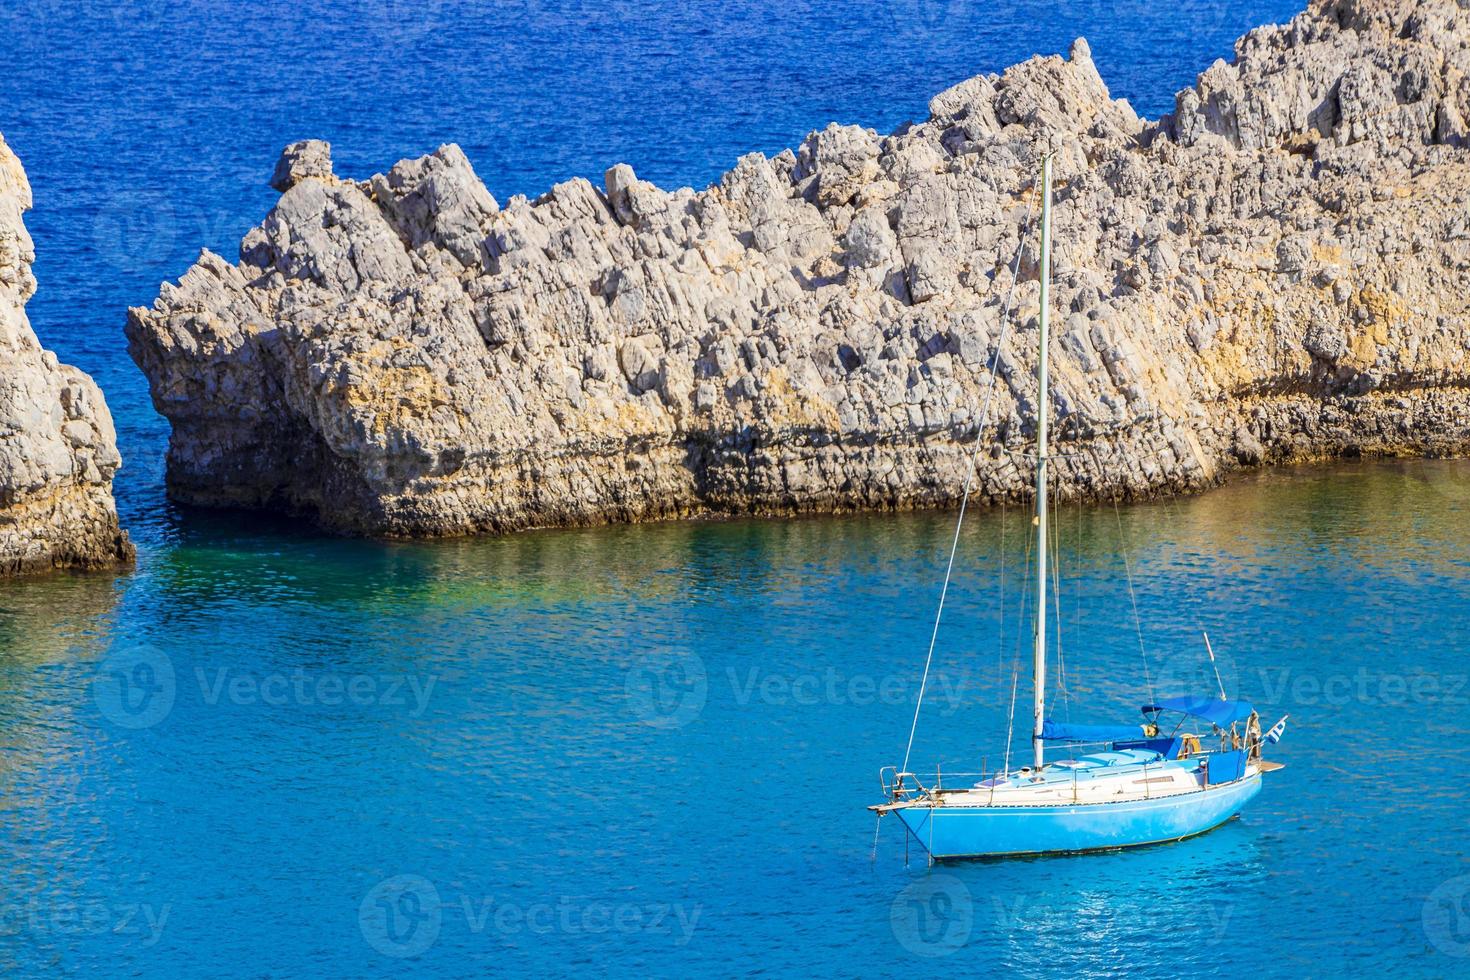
1149	784
959	831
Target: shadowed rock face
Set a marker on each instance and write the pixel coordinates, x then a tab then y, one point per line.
58	451
1279	270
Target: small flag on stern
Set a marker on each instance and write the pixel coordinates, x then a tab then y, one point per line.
1274	735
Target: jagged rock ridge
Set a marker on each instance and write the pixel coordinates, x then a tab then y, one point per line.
58	450
1276	271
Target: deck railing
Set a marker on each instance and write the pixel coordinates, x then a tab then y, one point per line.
908	785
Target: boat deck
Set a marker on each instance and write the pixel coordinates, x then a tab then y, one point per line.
1102	777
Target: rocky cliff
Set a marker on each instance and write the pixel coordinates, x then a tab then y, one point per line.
1279	270
58	451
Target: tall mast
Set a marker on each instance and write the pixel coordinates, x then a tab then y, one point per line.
1043	410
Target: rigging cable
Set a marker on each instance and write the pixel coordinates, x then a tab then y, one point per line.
1133	596
1000	640
1193	604
1020	638
1077	576
1005	325
1011	727
1056	590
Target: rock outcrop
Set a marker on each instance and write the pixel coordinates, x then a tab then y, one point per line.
58	451
1279	270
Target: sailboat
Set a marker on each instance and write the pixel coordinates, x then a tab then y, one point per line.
1189	764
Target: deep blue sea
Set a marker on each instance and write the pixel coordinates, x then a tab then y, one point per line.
648	750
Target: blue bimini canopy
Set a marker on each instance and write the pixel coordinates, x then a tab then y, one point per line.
1066	732
1221	712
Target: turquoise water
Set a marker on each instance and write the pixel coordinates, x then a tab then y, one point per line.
648	750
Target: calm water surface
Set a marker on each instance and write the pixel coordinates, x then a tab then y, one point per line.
649	749
270	753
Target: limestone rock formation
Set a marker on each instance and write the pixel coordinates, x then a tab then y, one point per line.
58	451
1279	270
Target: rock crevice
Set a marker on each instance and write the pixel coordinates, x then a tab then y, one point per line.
1278	270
